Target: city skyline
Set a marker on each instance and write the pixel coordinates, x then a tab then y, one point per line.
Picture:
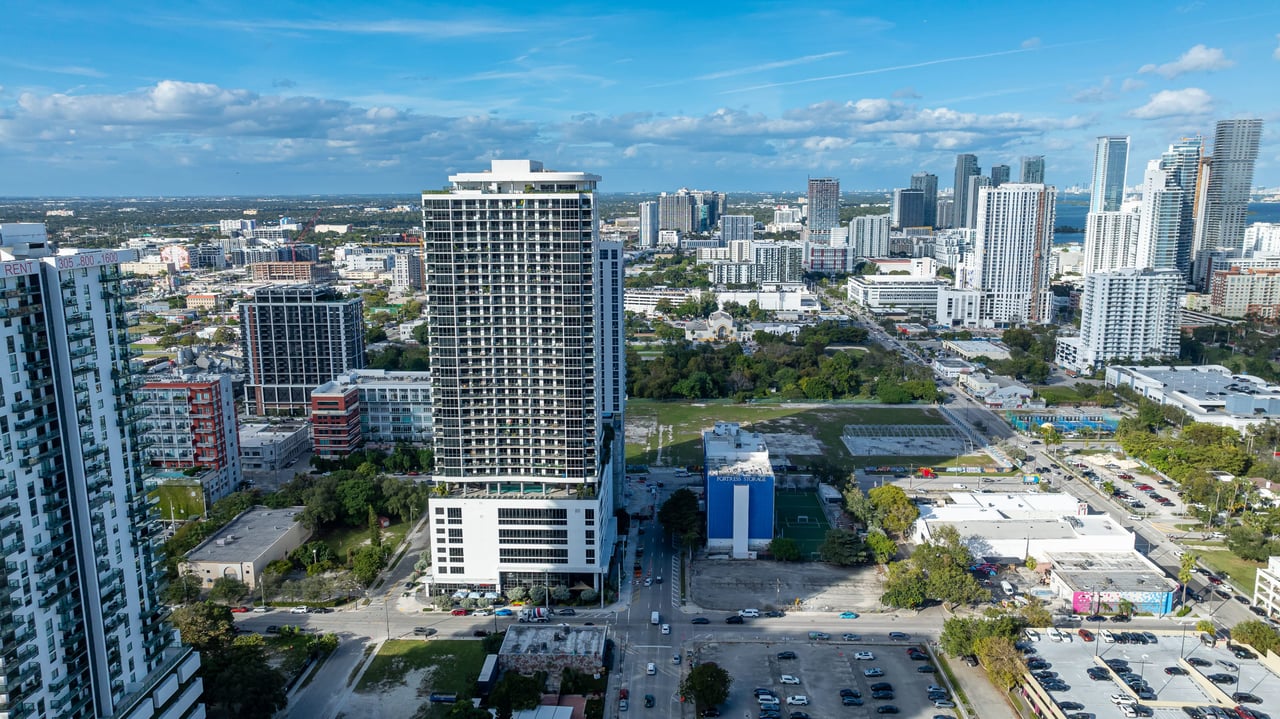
237	101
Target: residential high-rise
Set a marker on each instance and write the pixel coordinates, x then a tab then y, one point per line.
296	338
945	215
1160	219
191	423
1011	253
1033	169
648	237
1110	164
737	227
1182	161
371	407
908	208
525	306
999	175
928	184
976	182
407	272
82	624
1128	314
966	167
869	236
1110	241
677	212
1222	219
824	206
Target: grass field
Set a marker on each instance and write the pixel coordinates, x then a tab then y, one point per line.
454	664
342	539
788	505
672	431
1059	395
1242	571
179	500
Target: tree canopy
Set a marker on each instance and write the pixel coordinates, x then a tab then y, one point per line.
680	515
707	684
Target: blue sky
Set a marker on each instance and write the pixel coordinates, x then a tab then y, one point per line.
291	98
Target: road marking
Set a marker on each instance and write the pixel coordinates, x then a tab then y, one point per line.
651	646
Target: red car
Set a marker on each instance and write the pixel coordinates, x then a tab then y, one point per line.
1085	635
239	610
1213	580
1144	487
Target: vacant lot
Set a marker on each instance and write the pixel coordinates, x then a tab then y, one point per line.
179	500
670	433
404	672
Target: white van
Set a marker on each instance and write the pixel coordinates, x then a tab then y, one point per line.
749	613
1006	587
655	618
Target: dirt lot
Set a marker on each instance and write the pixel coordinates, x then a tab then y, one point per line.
728	585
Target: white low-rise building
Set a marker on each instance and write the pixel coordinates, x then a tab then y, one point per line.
1013	526
971	349
244	547
1266	588
895	293
272	447
1207	393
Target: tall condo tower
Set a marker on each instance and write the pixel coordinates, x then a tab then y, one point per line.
525	307
1015	238
999	175
82	625
648	225
1033	169
824	206
928	184
1235	150
966	167
1110	163
296	338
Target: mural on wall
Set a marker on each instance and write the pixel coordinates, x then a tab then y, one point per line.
1089	602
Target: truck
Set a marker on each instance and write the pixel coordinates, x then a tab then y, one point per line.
655	618
534	614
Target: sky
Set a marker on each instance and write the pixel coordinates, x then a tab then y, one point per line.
242	98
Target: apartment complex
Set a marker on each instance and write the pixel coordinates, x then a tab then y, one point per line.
1128	314
82	627
374	407
525	307
296	338
191	422
304	272
824	207
1246	292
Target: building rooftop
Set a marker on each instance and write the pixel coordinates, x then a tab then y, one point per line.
1005	505
369	377
1118	572
1208	384
553	640
260	434
247	536
730	450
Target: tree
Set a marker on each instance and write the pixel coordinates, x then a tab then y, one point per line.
375	527
204	625
842	548
951	583
239	681
561	593
882	547
680	515
1036	614
1186	565
960	634
228	590
1206	626
515	692
356	493
1001	660
183	589
538	594
860	506
368	562
707	685
785	549
905	586
516	593
1257	634
224	336
422	333
895	508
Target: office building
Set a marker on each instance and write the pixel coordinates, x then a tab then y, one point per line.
740	487
1011	253
928	184
908	208
976	183
525	308
83	624
296	338
371	407
272	447
966	167
736	228
292	272
999	175
869	236
191	422
648	237
1033	169
1110	165
406	273
945	214
1110	240
1207	393
1160	218
1226	199
1127	314
824	206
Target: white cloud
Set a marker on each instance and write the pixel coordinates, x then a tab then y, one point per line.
1175	103
1031	43
906	93
1130	84
1276	54
1100	93
1198	59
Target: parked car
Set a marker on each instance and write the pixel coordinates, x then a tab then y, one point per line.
786	655
873	672
886	709
298	610
733	619
1175	671
789	679
865	656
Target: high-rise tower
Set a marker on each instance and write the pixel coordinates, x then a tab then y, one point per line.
1222	219
1033	169
824	207
82	630
1015	238
999	175
1160	218
966	167
928	184
525	307
1110	163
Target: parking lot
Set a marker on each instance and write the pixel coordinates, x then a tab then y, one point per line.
1071	662
824	668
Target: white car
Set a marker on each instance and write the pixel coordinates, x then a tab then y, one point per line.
789	679
944	704
1122	700
865	656
666	628
298	610
798	700
1108	637
651	668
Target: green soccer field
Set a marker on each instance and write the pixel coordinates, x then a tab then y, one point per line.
788	507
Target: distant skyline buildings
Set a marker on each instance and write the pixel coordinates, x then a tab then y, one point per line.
1033	169
1226	200
966	167
928	184
1110	163
999	175
824	205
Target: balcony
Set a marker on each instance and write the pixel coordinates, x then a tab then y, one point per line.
39	383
